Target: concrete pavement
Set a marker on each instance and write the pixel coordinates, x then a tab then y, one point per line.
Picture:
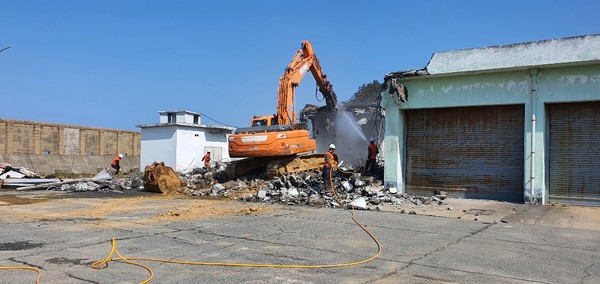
63	233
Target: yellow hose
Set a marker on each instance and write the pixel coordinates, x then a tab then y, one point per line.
104	263
39	272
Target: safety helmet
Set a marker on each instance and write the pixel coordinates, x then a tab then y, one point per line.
331	146
372	139
121	156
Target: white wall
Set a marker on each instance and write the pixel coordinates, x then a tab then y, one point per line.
189	149
192	144
158	145
182	147
218	141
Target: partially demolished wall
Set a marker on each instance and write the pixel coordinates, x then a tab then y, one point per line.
350	129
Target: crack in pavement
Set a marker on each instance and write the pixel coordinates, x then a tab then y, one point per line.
413	262
25	263
81	279
451	243
480	273
587	273
398	271
276	243
377	226
540	244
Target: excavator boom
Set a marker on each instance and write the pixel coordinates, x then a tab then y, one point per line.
304	60
274	142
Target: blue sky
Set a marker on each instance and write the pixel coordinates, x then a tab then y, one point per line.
115	64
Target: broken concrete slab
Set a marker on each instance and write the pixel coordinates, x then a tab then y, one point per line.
359	203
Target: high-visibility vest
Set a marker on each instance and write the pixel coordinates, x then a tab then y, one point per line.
329	160
115	161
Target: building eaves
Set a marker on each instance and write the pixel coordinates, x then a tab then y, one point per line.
205	127
406	74
579	50
178	111
572	50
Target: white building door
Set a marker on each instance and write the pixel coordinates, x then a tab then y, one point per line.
216	154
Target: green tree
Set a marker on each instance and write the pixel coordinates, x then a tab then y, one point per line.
367	94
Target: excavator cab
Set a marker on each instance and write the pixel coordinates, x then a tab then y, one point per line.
263	120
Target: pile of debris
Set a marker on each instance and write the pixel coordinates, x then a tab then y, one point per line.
351	189
20	179
159	178
101	182
12	176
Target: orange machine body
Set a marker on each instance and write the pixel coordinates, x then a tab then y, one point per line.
267	144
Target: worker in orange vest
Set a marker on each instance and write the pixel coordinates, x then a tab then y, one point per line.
206	159
116	163
328	164
371	156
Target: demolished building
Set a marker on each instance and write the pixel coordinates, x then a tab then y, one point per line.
350	129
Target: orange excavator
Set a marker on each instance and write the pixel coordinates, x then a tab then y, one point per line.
277	143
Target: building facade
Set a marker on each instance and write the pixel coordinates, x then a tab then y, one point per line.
180	141
519	122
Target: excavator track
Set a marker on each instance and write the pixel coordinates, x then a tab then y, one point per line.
275	166
296	164
248	166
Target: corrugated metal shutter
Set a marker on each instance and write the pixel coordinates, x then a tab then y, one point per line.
470	152
574	154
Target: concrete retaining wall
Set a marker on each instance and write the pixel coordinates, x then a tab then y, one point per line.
47	148
50	164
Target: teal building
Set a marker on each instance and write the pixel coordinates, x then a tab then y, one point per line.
518	122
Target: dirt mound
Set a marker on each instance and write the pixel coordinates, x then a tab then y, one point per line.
162	179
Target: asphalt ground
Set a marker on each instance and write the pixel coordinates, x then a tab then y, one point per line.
62	234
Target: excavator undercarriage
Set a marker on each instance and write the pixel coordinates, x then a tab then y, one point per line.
275	166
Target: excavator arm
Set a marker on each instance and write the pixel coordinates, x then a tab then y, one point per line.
304	60
275	144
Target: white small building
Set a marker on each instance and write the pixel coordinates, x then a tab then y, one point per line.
180	141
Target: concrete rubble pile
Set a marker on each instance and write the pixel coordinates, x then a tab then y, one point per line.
352	189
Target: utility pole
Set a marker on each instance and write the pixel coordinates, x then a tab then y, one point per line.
4	49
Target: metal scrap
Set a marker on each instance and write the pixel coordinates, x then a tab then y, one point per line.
25	180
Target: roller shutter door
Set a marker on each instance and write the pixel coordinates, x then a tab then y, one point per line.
470	152
574	153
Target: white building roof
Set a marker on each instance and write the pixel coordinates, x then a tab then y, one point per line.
205	127
579	50
179	111
187	119
571	50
